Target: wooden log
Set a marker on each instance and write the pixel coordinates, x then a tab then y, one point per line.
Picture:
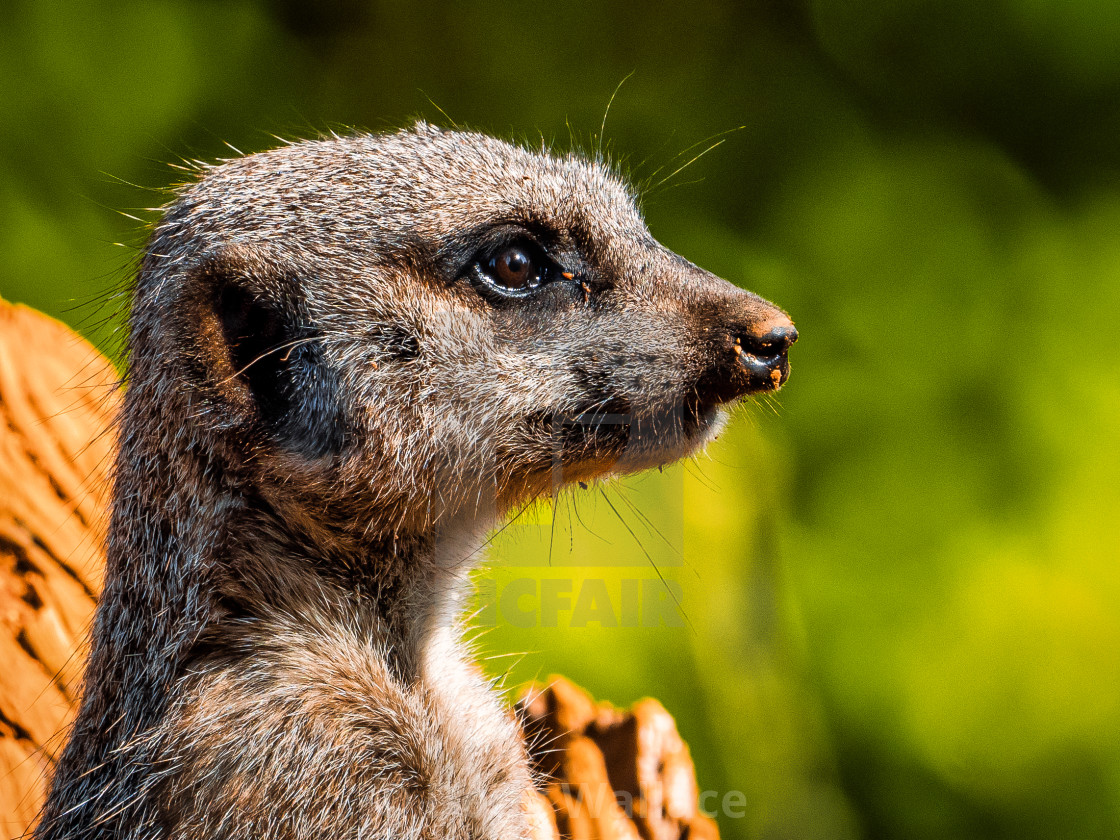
58	396
612	774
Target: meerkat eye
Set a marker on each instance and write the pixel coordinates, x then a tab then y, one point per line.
514	268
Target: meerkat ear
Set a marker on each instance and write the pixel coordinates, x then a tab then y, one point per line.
255	338
263	356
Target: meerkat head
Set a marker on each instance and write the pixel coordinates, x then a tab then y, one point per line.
380	332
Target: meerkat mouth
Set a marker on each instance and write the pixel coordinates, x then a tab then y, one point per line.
764	372
749	364
765	357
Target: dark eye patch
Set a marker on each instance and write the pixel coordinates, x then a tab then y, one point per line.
511	261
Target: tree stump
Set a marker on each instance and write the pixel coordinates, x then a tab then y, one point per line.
57	401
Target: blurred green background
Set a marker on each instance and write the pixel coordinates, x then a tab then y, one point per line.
900	577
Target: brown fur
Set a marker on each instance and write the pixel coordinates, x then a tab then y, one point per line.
328	407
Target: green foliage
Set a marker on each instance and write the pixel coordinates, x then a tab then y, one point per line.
900	583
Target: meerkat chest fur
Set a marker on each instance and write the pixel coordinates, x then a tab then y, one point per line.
348	359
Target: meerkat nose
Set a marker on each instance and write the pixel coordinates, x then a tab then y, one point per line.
748	357
762	353
775	340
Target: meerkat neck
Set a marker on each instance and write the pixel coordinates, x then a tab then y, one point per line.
166	530
407	591
192	557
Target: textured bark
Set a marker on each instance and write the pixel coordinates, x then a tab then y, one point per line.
57	400
611	774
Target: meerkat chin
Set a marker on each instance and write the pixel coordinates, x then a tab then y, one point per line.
348	359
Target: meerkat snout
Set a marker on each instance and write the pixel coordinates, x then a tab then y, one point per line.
348	358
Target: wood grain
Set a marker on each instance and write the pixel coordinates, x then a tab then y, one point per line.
57	400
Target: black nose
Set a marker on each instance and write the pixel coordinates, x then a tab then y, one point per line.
774	342
761	353
749	358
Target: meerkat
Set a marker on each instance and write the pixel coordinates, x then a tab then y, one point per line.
348	359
